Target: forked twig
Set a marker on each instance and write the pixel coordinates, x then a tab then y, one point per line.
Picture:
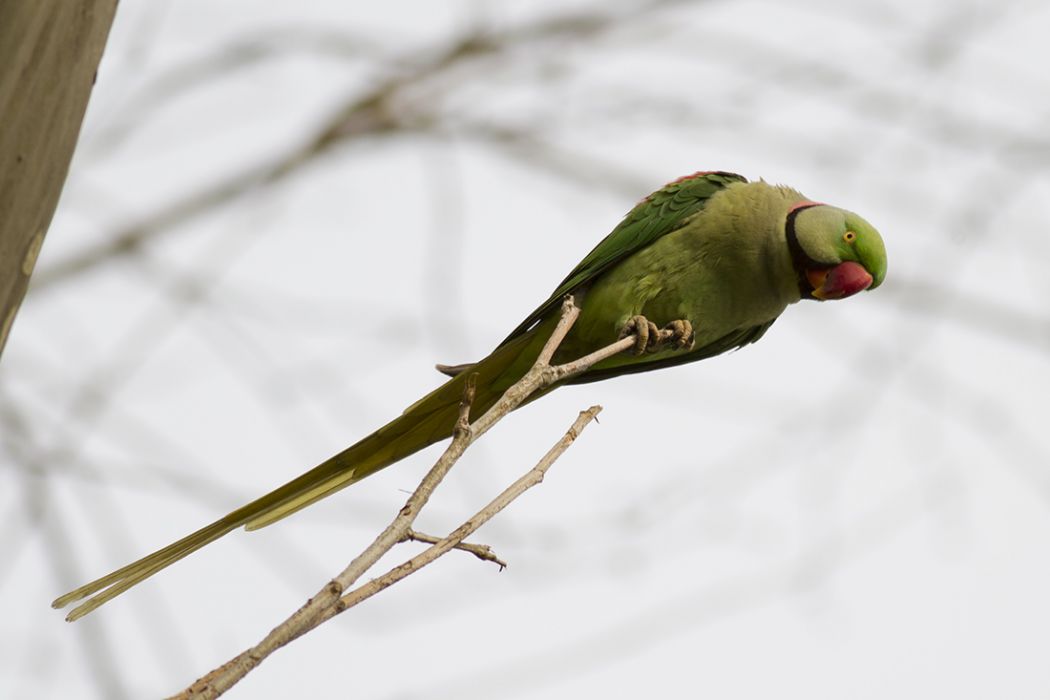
337	596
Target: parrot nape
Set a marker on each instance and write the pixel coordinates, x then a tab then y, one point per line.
712	256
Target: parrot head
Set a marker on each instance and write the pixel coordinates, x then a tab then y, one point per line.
836	252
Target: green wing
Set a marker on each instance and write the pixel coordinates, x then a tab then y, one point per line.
657	215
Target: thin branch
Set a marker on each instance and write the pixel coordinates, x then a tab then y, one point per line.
531	478
481	551
333	599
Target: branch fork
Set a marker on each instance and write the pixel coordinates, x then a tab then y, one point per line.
339	594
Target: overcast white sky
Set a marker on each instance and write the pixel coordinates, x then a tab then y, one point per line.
858	506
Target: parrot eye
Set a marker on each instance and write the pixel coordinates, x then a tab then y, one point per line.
849	236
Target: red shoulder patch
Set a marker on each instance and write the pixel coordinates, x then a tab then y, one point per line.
698	173
693	176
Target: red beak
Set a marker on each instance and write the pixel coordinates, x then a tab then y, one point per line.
839	282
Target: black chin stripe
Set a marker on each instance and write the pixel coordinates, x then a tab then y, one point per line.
799	258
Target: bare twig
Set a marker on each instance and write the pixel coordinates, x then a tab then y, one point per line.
481	551
333	599
531	478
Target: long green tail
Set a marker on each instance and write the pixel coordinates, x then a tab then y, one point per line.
425	422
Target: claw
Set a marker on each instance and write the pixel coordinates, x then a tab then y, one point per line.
648	338
645	334
681	334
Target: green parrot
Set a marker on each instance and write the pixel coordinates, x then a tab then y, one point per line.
710	256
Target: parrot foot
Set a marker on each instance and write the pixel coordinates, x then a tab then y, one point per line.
648	338
646	334
680	334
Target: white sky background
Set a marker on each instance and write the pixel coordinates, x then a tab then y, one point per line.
858	506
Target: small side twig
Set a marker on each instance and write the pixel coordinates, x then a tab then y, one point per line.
531	478
481	551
